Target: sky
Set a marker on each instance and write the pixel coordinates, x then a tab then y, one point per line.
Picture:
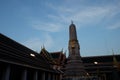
38	23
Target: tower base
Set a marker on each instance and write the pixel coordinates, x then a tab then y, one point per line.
75	78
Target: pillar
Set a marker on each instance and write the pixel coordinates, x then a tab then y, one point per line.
24	75
43	76
6	75
49	76
105	76
54	77
35	75
60	77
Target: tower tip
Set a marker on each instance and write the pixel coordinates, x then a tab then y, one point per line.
71	21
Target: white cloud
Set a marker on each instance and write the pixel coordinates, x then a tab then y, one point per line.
114	26
58	8
51	44
36	43
86	15
44	26
89	15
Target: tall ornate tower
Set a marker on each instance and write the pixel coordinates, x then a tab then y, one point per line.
74	68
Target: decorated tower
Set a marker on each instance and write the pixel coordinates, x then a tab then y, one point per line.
74	68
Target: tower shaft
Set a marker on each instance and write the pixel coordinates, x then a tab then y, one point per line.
73	42
72	32
74	68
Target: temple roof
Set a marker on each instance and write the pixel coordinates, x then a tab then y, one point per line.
104	63
59	57
102	58
47	56
15	53
55	54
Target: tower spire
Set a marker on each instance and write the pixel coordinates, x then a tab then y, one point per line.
74	67
73	42
71	21
72	32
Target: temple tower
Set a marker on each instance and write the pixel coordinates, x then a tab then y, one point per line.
74	68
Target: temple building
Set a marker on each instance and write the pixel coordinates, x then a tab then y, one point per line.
18	62
106	67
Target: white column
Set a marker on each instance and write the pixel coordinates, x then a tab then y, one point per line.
35	75
6	75
24	75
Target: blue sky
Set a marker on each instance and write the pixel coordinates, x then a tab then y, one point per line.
35	23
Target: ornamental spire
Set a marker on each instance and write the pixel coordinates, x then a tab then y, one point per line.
72	32
71	21
74	69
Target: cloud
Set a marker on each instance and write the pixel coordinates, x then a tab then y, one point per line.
51	44
114	26
59	8
36	43
44	26
89	15
85	16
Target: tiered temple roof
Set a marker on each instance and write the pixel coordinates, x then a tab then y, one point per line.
15	53
103	63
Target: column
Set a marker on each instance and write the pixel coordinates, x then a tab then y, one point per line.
105	76
54	77
57	77
43	76
24	75
6	75
60	77
35	75
49	76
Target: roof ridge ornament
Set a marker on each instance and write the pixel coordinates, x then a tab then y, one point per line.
43	47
